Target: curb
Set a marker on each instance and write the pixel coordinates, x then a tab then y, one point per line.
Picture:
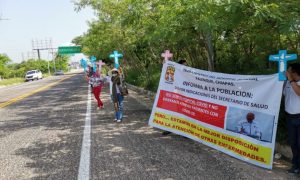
141	91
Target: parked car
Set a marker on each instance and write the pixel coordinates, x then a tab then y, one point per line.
59	72
33	75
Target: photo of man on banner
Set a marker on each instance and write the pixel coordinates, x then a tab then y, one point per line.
256	125
249	127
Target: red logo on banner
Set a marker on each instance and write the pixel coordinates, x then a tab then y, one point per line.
203	111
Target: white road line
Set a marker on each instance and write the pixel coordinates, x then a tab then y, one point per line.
84	166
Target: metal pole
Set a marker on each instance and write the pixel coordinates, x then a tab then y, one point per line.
39	56
48	67
54	57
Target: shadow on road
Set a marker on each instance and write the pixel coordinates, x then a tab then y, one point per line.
57	115
129	150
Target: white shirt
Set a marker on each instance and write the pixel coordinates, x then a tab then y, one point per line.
108	79
292	100
96	81
249	129
118	90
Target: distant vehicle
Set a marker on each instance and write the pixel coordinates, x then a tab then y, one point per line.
33	75
59	72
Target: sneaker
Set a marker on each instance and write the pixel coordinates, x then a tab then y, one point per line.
293	170
166	133
115	120
119	120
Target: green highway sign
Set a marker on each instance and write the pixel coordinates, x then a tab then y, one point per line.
69	50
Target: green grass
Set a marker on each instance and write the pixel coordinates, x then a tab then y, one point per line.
45	75
13	81
6	82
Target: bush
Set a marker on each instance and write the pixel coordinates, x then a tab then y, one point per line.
281	135
6	82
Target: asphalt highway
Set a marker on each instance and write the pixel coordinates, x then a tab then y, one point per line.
51	129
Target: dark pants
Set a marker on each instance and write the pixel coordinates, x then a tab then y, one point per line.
293	126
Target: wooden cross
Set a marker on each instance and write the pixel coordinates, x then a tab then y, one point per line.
83	64
282	59
116	57
93	62
166	55
100	63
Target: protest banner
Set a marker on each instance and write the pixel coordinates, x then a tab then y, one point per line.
235	114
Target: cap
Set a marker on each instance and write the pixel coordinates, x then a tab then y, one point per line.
114	69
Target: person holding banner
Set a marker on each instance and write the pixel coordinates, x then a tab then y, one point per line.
249	127
183	62
117	97
291	94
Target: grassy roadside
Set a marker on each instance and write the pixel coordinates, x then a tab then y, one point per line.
14	81
18	80
6	82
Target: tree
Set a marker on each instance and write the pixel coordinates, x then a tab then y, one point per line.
4	60
218	35
61	62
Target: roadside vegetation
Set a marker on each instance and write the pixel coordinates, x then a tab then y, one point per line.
11	72
234	37
6	82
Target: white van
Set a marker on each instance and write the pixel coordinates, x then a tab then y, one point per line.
33	75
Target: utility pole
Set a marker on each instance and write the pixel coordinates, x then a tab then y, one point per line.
48	68
53	54
23	59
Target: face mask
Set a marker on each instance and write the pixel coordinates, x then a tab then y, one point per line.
114	75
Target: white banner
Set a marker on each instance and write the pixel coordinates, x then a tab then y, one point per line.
235	114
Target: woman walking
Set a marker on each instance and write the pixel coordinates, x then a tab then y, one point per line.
117	97
97	83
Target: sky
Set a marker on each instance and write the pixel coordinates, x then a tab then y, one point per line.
39	21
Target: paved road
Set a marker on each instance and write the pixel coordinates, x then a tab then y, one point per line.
41	137
7	93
